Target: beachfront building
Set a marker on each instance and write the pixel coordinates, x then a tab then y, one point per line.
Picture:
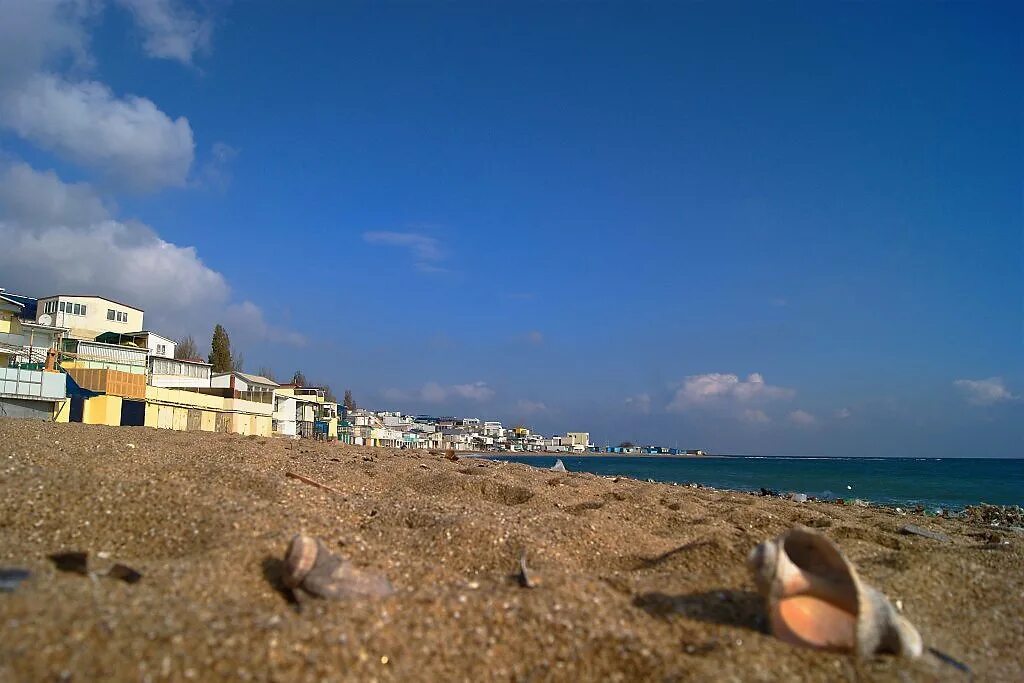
29	389
577	441
294	416
88	316
156	344
174	373
492	428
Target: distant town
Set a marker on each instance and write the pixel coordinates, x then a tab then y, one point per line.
90	359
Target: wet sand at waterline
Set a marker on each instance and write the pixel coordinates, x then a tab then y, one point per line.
637	580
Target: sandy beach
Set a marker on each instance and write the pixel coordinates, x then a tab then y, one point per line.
638	581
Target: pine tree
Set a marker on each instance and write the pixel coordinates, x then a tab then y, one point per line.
220	350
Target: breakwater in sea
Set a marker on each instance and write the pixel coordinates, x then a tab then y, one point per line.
947	483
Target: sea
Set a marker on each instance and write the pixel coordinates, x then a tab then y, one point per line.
934	483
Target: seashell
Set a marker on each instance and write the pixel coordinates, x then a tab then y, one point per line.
309	565
299	559
816	599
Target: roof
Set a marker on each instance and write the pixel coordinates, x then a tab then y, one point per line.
54	328
133	335
11	301
251	379
93	296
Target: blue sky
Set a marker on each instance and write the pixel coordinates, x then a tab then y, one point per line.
784	228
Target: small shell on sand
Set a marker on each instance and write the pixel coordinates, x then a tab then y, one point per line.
317	571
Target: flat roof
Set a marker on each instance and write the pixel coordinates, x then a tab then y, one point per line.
92	296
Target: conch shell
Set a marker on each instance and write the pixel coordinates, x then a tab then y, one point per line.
314	569
816	599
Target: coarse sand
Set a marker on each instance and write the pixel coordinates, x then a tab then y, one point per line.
638	581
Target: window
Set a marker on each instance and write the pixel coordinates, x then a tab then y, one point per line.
61	306
83	309
76	309
110	314
161	349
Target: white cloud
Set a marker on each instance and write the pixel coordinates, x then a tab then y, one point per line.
477	391
247	320
34	33
984	392
128	139
426	250
172	31
843	413
526	407
40	199
755	416
802	418
433	392
724	392
215	173
395	395
60	237
640	403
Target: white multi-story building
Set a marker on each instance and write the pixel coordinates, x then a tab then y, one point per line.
577	441
88	316
492	428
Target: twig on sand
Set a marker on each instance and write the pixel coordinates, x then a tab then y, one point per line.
313	482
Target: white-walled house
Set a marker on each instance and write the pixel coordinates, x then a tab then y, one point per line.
88	315
155	344
243	382
179	374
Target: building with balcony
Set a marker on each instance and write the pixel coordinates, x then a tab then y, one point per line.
88	316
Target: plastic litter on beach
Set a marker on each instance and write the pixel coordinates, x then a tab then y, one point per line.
309	566
816	599
559	466
11	578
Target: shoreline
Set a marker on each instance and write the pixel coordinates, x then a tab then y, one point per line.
896	486
637	580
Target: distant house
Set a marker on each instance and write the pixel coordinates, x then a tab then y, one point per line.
577	441
244	385
157	344
88	316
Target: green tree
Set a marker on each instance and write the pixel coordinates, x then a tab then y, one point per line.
298	379
186	349
220	350
350	403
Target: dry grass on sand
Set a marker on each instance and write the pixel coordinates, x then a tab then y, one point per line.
638	580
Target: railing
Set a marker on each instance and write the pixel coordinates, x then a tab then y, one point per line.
33	384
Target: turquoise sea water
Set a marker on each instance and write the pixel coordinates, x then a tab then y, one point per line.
950	483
